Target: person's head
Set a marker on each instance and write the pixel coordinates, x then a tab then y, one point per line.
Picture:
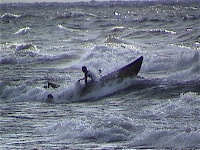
84	69
99	72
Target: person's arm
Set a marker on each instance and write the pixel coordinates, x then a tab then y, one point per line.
85	78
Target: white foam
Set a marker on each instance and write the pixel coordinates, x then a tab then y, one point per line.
23	93
167	139
165	125
182	65
10	92
107	128
53	57
9	16
23	46
171	124
71	92
184	106
23	31
117	29
108	57
62	28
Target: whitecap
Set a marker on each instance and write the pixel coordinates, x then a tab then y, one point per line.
77	14
164	31
24	93
107	128
23	31
113	39
56	57
167	139
190	17
23	46
117	29
171	124
69	30
60	27
9	16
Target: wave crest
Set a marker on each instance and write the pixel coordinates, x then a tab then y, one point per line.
9	16
23	31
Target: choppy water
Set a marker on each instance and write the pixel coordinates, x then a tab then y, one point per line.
50	42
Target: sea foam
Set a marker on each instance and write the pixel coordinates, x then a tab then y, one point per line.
9	16
23	31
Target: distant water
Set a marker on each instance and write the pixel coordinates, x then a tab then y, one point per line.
42	42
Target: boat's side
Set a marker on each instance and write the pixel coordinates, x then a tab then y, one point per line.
129	70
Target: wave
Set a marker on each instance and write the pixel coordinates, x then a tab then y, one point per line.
74	14
23	46
33	16
107	128
117	29
21	54
65	56
60	27
154	127
165	31
180	135
174	71
191	17
149	33
189	36
28	52
179	61
8	60
66	93
21	93
113	39
8	16
142	87
69	30
23	31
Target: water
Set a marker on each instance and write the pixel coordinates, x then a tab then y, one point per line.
51	42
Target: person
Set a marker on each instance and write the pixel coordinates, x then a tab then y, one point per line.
85	71
50	84
87	74
99	72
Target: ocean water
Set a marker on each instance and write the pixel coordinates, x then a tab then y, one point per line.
158	109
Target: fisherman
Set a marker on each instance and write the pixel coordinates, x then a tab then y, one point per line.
87	74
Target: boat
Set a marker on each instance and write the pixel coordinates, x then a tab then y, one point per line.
128	71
